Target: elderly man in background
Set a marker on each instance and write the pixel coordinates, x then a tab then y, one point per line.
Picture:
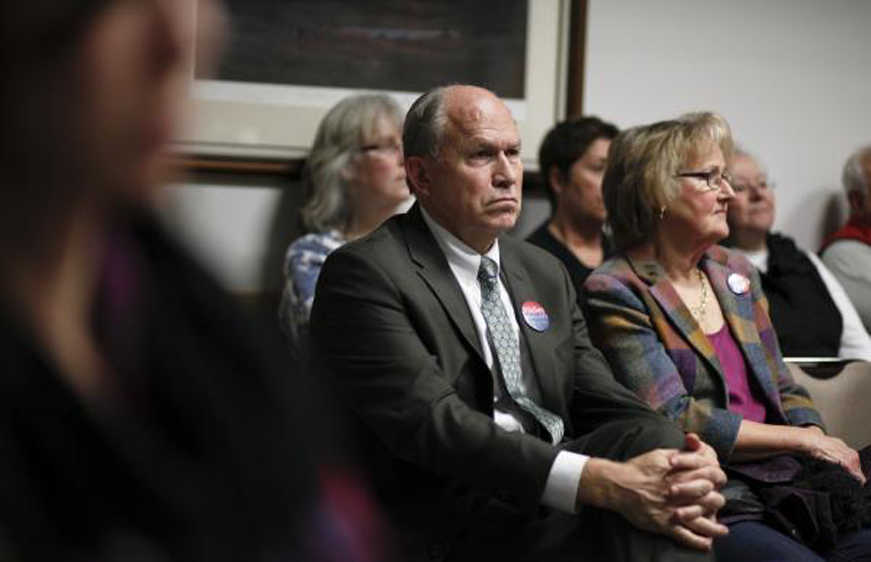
496	428
847	252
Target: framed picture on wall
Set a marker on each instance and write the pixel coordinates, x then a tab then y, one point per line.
289	61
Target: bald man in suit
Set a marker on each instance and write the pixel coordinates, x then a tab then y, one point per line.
495	429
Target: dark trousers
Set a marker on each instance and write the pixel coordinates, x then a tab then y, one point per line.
592	534
752	541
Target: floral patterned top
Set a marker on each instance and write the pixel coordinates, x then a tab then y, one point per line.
302	265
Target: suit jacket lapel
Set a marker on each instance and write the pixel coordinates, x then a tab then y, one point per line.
739	314
434	269
678	314
521	289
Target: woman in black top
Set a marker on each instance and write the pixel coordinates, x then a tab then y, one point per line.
572	160
810	311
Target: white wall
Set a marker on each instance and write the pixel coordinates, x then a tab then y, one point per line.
793	77
228	227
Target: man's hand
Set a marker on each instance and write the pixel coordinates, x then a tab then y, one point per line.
695	444
663	491
692	469
688	478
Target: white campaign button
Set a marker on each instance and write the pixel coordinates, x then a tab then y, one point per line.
738	283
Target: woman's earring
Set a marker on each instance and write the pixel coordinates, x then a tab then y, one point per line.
661	212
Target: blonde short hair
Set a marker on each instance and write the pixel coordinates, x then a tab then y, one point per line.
642	162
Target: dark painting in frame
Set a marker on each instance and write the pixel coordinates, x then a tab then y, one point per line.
396	45
238	117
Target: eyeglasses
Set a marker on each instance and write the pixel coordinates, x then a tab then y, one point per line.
384	149
713	179
760	185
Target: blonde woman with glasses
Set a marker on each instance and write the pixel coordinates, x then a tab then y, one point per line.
684	324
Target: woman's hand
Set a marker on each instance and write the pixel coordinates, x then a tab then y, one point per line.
818	445
761	440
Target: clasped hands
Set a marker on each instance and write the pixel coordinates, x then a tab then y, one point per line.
665	491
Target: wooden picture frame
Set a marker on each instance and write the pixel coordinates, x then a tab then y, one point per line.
242	130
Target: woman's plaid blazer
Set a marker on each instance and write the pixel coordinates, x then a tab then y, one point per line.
657	349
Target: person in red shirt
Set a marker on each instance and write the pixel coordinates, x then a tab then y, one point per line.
847	252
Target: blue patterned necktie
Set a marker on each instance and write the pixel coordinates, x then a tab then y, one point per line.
507	349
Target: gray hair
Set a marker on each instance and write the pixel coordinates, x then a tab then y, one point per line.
740	150
342	131
642	162
425	124
854	178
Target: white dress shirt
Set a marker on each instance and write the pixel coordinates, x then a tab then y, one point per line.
561	488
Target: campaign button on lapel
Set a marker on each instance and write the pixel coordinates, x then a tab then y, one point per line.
738	283
535	316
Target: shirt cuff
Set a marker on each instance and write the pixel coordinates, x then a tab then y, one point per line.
561	488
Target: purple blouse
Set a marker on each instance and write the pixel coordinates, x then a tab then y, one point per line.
742	398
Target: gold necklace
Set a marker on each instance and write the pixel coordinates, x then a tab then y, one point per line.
698	311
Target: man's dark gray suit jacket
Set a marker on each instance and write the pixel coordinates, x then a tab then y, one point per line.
393	329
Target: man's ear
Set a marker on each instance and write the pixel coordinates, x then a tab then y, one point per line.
556	179
417	176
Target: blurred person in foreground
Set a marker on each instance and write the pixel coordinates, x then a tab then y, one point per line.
847	252
142	417
497	430
572	158
810	312
355	180
684	324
